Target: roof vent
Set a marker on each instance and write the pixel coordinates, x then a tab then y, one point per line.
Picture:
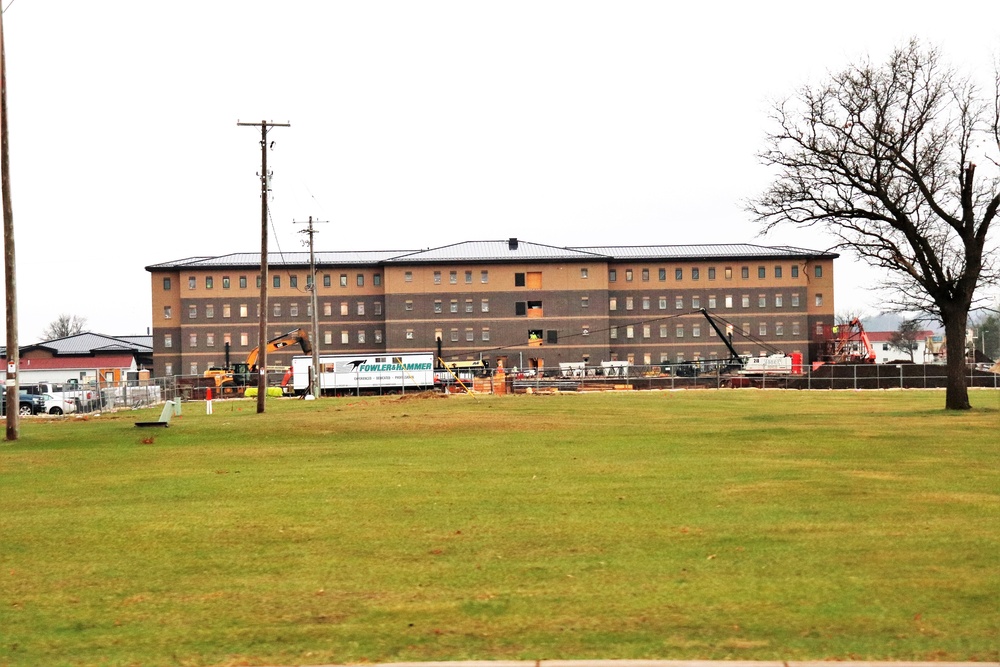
512	243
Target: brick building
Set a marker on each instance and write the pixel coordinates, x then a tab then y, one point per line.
525	304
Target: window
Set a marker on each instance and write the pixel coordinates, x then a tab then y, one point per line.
679	331
795	328
662	274
711	273
167	312
695	274
377	279
761	272
209	310
613	333
168	368
166	284
194	368
328	309
225	282
795	270
343	280
613	303
470	335
647	331
663	303
745	302
584	274
518	280
630	331
586	330
612	275
408	305
345	337
745	272
778	301
378	334
326	280
293	281
819	299
192	312
453	277
777	272
453	307
378	307
437	305
468	277
679	302
192	282
243	310
484	305
168	340
729	273
360	280
762	301
227	310
628	275
629	303
361	336
696	330
468	305
244	339
645	275
437	277
209	340
779	329
344	311
795	301
361	307
663	331
645	303
552	337
711	301
486	333
484	277
678	274
818	271
327	337
762	329
277	309
309	309
696	302
408	277
193	340
729	301
258	282
454	335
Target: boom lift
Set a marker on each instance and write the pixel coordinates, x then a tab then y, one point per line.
238	374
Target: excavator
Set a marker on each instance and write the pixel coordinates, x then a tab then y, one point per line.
848	343
228	379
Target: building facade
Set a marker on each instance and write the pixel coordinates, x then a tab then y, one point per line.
511	302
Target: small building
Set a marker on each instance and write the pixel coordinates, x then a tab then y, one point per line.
86	358
926	351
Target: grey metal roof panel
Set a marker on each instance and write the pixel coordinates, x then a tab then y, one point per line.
494	251
88	343
708	251
252	259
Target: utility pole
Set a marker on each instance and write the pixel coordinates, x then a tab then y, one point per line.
314	380
10	282
262	333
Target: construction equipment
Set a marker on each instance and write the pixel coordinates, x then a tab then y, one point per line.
750	371
848	344
236	375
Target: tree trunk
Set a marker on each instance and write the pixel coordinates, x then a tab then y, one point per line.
957	393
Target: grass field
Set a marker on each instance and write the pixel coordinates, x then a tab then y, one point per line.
699	524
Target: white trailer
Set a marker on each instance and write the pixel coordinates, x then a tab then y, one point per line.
380	372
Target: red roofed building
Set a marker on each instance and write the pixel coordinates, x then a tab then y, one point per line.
85	357
929	349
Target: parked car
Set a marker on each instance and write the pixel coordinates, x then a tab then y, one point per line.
56	405
28	404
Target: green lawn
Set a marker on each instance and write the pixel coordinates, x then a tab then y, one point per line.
701	524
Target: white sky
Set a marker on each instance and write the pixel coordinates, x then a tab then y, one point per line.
413	125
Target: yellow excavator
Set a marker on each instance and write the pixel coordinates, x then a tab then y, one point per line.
236	375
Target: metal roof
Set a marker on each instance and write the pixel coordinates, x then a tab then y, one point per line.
89	343
508	250
708	251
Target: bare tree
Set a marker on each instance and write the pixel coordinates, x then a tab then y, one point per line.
884	158
906	338
64	325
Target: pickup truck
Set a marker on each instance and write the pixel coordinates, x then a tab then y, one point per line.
83	399
28	404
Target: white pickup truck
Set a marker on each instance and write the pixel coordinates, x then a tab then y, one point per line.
61	398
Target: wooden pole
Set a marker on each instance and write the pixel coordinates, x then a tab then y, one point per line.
10	279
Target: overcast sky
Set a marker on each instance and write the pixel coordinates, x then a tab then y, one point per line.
413	125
